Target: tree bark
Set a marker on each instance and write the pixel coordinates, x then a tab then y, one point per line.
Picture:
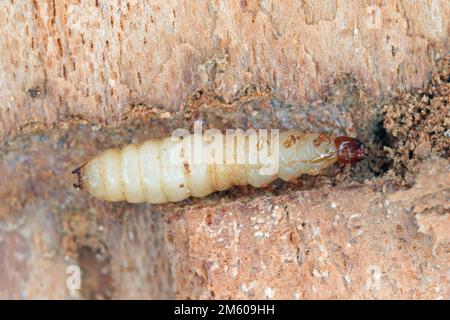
315	65
91	60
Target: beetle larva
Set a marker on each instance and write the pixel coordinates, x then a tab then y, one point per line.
173	169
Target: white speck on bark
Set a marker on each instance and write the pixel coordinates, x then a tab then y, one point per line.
269	292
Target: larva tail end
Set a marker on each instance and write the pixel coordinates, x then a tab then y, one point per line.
79	184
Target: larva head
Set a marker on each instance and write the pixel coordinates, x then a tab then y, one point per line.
350	150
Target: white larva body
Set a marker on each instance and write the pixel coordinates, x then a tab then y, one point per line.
149	172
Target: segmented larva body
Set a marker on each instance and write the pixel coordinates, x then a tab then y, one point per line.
173	169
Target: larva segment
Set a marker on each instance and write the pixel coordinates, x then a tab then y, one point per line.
239	176
197	173
108	167
259	150
133	186
220	171
149	163
301	154
159	171
173	179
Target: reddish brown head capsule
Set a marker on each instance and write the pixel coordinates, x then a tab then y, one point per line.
349	150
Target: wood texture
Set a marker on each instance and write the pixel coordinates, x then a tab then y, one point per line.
92	59
328	64
319	244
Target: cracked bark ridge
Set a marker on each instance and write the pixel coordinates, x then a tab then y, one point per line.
91	60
